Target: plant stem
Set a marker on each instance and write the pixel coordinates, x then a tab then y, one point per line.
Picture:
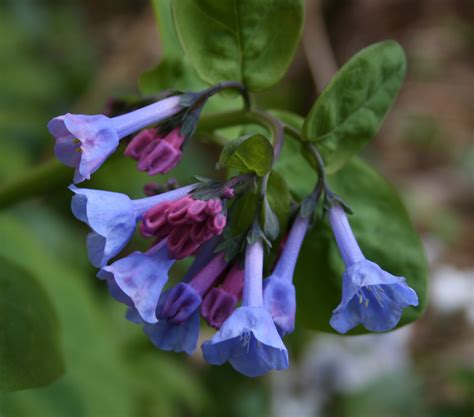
39	180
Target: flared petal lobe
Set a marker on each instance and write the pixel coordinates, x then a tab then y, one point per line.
371	297
249	341
141	277
176	337
279	298
83	142
110	216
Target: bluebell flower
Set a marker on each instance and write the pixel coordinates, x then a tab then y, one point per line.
370	296
112	218
178	337
84	142
138	279
279	295
248	339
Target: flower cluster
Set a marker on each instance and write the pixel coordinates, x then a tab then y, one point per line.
251	314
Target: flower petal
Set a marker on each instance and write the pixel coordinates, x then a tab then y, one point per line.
248	340
110	216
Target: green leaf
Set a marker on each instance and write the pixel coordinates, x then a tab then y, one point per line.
248	41
170	73
278	197
385	234
271	226
30	355
350	110
248	154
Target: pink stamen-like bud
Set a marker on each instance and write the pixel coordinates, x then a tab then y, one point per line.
162	153
140	142
187	223
178	210
219	303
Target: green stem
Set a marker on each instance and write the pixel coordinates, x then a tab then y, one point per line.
37	181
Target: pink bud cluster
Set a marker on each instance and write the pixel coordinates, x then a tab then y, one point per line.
156	154
186	223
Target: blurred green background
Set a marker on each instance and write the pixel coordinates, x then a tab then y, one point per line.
59	56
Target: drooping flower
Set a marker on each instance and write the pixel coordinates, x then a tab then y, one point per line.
248	339
178	337
186	223
184	299
156	153
279	295
138	279
370	296
84	142
219	303
113	218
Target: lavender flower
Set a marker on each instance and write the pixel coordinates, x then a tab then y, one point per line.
248	339
138	279
178	337
278	290
85	142
112	218
370	296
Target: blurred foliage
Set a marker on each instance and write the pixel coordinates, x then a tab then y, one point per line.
49	57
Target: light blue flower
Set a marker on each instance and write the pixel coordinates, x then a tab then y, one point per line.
248	339
138	279
370	296
178	337
279	294
84	142
112	218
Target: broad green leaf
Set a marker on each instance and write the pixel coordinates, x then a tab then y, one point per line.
248	41
248	154
169	41
350	110
170	73
385	234
103	376
30	355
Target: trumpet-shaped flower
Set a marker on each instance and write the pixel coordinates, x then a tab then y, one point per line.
248	339
185	298
112	218
178	337
370	296
278	290
138	279
84	142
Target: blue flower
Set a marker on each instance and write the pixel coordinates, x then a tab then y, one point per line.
112	218
279	294
370	296
181	337
248	339
138	279
177	337
84	142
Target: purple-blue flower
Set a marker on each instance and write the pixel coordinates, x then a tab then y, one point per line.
181	337
177	337
279	295
112	218
370	296
138	279
248	339
84	142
